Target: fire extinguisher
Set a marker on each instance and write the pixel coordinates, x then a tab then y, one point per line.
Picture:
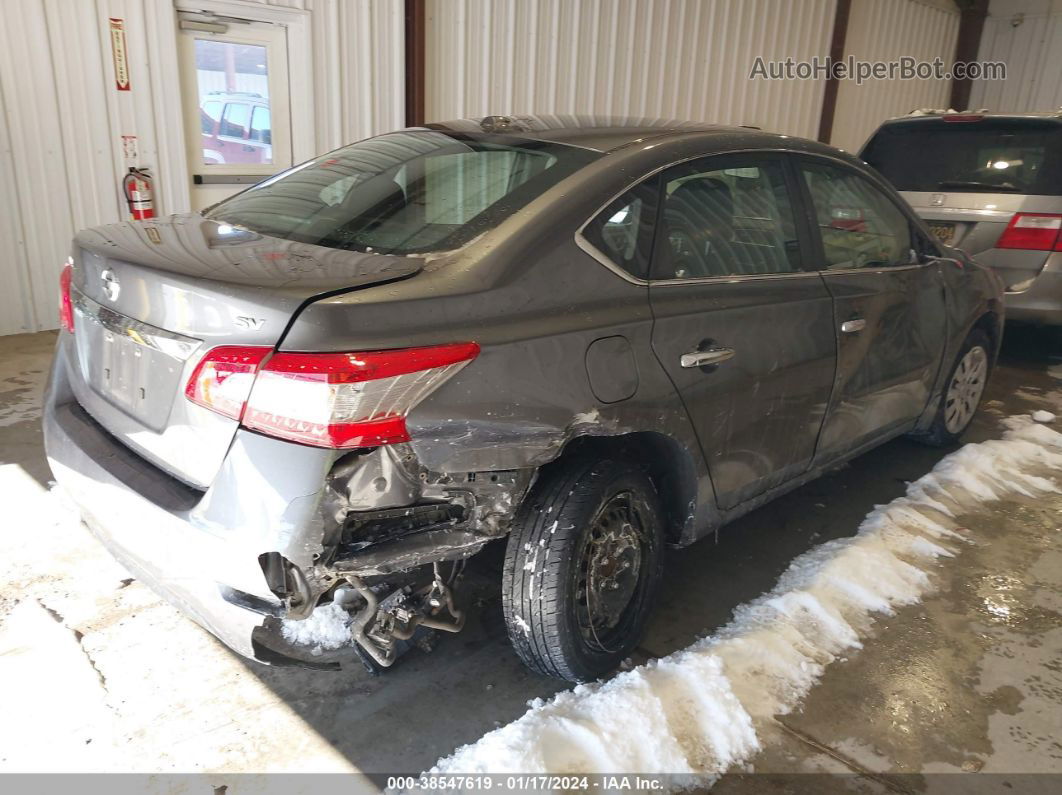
137	188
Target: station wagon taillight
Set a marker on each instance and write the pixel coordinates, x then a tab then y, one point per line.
337	400
1033	231
66	303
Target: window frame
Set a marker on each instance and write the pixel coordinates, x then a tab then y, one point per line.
272	28
920	242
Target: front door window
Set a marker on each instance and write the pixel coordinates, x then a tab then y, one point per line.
860	227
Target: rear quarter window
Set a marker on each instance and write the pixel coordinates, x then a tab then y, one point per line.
622	232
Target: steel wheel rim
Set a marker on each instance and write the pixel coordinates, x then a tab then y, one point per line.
612	564
965	389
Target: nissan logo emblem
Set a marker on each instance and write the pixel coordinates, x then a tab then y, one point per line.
111	288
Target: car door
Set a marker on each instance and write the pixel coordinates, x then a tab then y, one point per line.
889	306
744	332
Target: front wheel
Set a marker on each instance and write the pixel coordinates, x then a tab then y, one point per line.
963	391
583	568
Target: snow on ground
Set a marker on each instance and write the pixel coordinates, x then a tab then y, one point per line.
1043	416
98	675
697	711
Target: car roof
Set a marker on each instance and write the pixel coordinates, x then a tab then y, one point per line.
607	134
919	117
248	96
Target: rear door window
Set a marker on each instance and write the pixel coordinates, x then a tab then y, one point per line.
988	156
727	217
859	225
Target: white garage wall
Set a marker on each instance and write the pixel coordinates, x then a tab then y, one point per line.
61	119
1027	36
63	162
885	30
359	68
685	59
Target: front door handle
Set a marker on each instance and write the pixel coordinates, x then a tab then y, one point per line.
706	358
852	326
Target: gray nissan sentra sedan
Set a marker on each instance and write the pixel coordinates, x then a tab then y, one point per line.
595	339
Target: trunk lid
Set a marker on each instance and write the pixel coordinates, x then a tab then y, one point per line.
151	298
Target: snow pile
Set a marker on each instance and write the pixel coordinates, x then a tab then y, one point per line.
1043	416
696	712
328	627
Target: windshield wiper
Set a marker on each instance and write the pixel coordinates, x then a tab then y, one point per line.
1006	187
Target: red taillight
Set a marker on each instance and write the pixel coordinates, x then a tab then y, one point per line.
223	379
963	116
66	303
338	400
1035	231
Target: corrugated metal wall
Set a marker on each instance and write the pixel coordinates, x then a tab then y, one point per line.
885	30
687	59
1027	36
358	69
61	120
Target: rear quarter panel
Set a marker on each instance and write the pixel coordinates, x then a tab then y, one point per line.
535	303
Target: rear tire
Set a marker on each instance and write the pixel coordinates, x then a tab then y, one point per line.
962	392
583	568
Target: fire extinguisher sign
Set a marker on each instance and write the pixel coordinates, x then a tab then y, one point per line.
118	51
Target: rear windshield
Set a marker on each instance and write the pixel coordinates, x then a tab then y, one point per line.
989	156
404	193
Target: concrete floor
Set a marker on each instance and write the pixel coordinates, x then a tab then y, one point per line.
96	673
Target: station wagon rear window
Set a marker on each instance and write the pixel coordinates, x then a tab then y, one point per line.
987	156
404	193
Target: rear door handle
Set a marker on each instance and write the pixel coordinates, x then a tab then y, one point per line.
852	326
706	358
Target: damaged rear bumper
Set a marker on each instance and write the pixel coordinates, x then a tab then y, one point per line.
276	513
198	550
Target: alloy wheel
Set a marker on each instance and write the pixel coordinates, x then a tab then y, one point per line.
965	390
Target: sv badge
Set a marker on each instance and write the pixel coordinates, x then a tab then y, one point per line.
250	323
